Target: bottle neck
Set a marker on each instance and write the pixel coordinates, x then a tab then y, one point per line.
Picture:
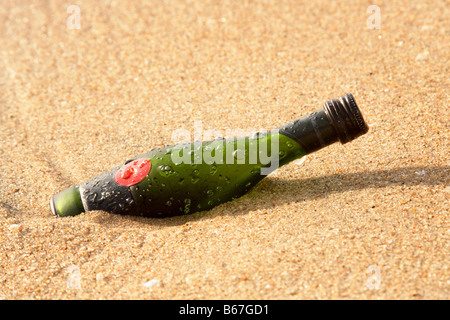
312	132
339	120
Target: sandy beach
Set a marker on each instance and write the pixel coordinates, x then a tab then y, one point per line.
87	85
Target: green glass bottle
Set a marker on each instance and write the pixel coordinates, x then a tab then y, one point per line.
191	177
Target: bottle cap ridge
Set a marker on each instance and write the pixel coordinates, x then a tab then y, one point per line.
346	118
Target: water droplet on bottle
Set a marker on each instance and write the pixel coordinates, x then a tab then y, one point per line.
255	135
127	173
213	169
181	181
281	154
169	203
187	201
194	179
210	193
239	154
219	188
163	185
196	172
92	197
289	144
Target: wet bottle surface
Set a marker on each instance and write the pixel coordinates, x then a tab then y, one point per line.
192	177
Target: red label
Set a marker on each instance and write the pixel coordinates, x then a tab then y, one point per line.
133	172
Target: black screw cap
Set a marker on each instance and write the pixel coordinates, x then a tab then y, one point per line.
346	118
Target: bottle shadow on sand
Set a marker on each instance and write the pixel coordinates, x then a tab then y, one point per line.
267	193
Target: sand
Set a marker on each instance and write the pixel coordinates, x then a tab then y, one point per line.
365	220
